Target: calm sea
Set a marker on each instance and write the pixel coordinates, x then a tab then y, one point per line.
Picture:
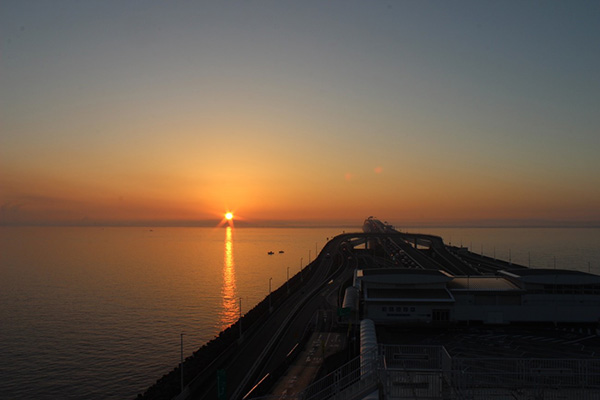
97	313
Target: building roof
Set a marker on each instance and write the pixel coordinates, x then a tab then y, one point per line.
552	276
482	283
404	276
400	294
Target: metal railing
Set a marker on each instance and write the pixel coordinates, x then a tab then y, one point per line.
430	373
352	380
527	378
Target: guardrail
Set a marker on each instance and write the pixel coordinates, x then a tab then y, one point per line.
276	336
353	380
429	372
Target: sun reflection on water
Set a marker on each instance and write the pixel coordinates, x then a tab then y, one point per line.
230	311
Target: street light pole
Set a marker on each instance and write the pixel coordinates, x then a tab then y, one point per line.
181	368
270	306
240	317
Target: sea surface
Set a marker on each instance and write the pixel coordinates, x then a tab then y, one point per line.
97	313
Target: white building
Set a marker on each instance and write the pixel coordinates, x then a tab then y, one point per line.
409	296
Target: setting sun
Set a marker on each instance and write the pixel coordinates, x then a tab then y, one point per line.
228	216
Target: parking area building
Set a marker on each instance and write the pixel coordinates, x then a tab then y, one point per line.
411	296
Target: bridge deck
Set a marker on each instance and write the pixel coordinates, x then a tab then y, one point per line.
307	365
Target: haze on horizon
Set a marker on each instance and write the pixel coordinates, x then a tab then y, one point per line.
467	112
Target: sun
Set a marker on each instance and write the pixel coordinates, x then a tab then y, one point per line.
227	219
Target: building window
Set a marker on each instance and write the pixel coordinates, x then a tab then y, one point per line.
441	315
412	309
383	308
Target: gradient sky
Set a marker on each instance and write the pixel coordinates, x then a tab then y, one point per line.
416	112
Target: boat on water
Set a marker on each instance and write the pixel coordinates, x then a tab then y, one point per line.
270	253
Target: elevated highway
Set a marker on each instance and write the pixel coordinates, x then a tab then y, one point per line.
264	347
437	257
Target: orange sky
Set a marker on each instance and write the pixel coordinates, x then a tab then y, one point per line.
327	114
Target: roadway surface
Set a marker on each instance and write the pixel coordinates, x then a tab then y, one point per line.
306	367
267	347
438	257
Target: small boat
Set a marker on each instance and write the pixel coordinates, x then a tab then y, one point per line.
270	253
281	251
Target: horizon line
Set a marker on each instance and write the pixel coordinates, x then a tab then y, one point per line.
306	224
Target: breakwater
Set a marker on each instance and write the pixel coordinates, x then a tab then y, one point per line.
200	369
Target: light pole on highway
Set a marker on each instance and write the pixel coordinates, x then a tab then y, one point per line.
270	306
181	367
240	317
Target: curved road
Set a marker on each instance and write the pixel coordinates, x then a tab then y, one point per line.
263	350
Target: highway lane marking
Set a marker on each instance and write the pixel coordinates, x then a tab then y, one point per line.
579	340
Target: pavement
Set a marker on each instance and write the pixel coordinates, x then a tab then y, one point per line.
303	372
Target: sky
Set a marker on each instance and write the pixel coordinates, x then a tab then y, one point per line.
311	112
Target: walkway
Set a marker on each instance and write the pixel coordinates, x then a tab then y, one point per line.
307	365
